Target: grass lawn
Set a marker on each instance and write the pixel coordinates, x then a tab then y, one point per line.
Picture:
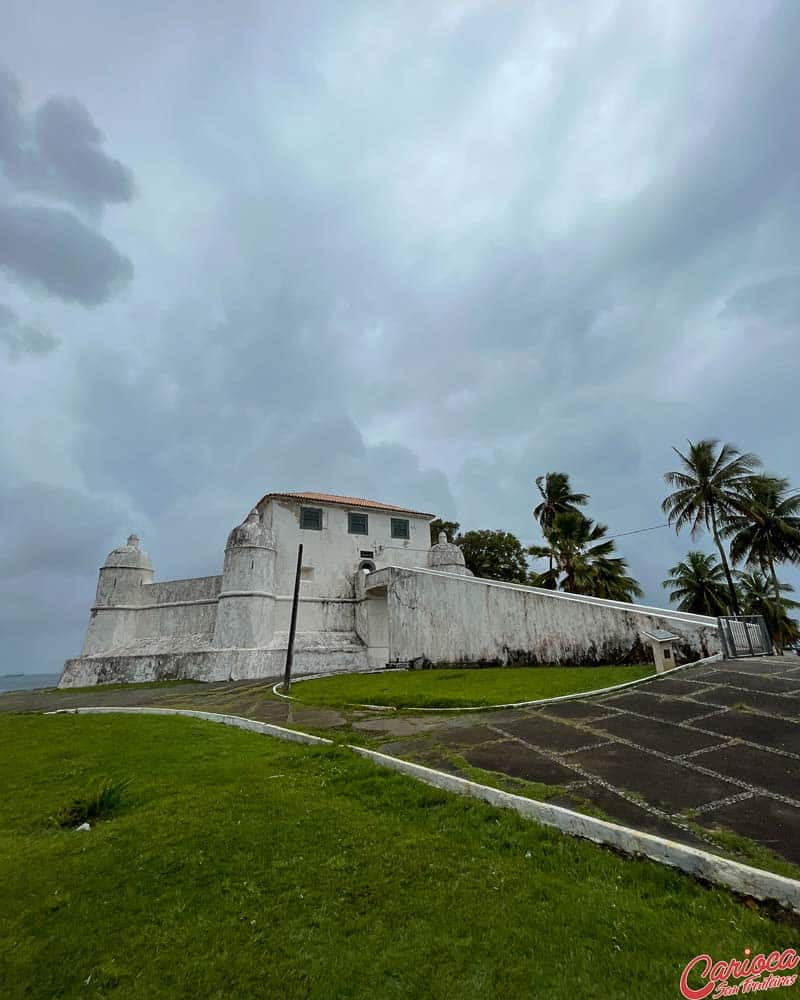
243	867
460	687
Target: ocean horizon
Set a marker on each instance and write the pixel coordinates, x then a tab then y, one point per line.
27	682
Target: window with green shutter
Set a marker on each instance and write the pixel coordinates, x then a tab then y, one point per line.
357	524
311	518
400	527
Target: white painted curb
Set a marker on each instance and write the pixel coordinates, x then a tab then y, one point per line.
488	708
740	878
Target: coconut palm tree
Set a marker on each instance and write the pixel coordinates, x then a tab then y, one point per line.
582	560
557	498
706	491
766	530
698	585
758	598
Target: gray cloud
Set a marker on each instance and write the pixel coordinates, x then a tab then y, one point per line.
51	250
51	529
20	340
56	151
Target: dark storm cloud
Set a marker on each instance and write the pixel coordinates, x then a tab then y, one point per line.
20	340
56	151
51	250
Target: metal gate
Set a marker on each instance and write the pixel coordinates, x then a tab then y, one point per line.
744	635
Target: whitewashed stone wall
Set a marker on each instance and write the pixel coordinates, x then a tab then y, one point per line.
443	618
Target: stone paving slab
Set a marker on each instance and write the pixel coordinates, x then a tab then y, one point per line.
401	725
622	810
785	706
576	710
555	736
519	761
667	708
764	729
662	736
758	665
677	685
666	785
460	736
754	682
757	768
765	820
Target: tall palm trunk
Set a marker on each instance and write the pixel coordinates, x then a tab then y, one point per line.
778	637
723	559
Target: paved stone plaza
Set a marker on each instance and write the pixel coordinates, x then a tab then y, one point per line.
716	746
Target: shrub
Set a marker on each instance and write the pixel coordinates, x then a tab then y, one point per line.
99	804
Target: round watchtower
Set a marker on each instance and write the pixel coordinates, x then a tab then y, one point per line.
246	608
125	570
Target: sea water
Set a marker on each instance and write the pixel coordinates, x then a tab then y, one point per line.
27	682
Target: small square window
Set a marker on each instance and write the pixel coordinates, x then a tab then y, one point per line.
311	518
400	527
357	524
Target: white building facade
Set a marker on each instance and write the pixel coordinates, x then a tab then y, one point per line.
374	592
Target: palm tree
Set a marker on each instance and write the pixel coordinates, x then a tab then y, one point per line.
758	598
557	498
698	584
766	530
707	490
582	560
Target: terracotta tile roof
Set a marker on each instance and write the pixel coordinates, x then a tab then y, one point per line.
343	502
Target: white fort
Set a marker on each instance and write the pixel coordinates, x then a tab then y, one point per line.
374	592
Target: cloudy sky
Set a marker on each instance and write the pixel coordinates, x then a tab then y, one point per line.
420	252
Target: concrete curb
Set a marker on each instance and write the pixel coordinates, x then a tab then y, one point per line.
740	878
510	704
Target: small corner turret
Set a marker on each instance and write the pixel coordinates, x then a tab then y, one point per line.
447	557
126	568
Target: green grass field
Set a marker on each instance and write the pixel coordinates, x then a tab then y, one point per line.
242	867
461	687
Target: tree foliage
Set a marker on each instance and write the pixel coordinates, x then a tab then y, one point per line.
582	560
764	531
698	585
494	555
450	528
758	598
707	491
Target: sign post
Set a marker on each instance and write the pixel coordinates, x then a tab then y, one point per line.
287	677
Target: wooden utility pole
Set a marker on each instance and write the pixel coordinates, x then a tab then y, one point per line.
287	677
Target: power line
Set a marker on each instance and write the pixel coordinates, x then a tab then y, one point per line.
638	531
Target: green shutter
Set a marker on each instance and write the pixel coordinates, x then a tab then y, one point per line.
357	524
400	528
311	518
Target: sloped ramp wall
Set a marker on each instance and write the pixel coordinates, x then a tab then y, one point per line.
443	618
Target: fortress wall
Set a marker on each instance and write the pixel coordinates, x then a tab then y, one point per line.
108	628
317	614
170	591
176	619
452	619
